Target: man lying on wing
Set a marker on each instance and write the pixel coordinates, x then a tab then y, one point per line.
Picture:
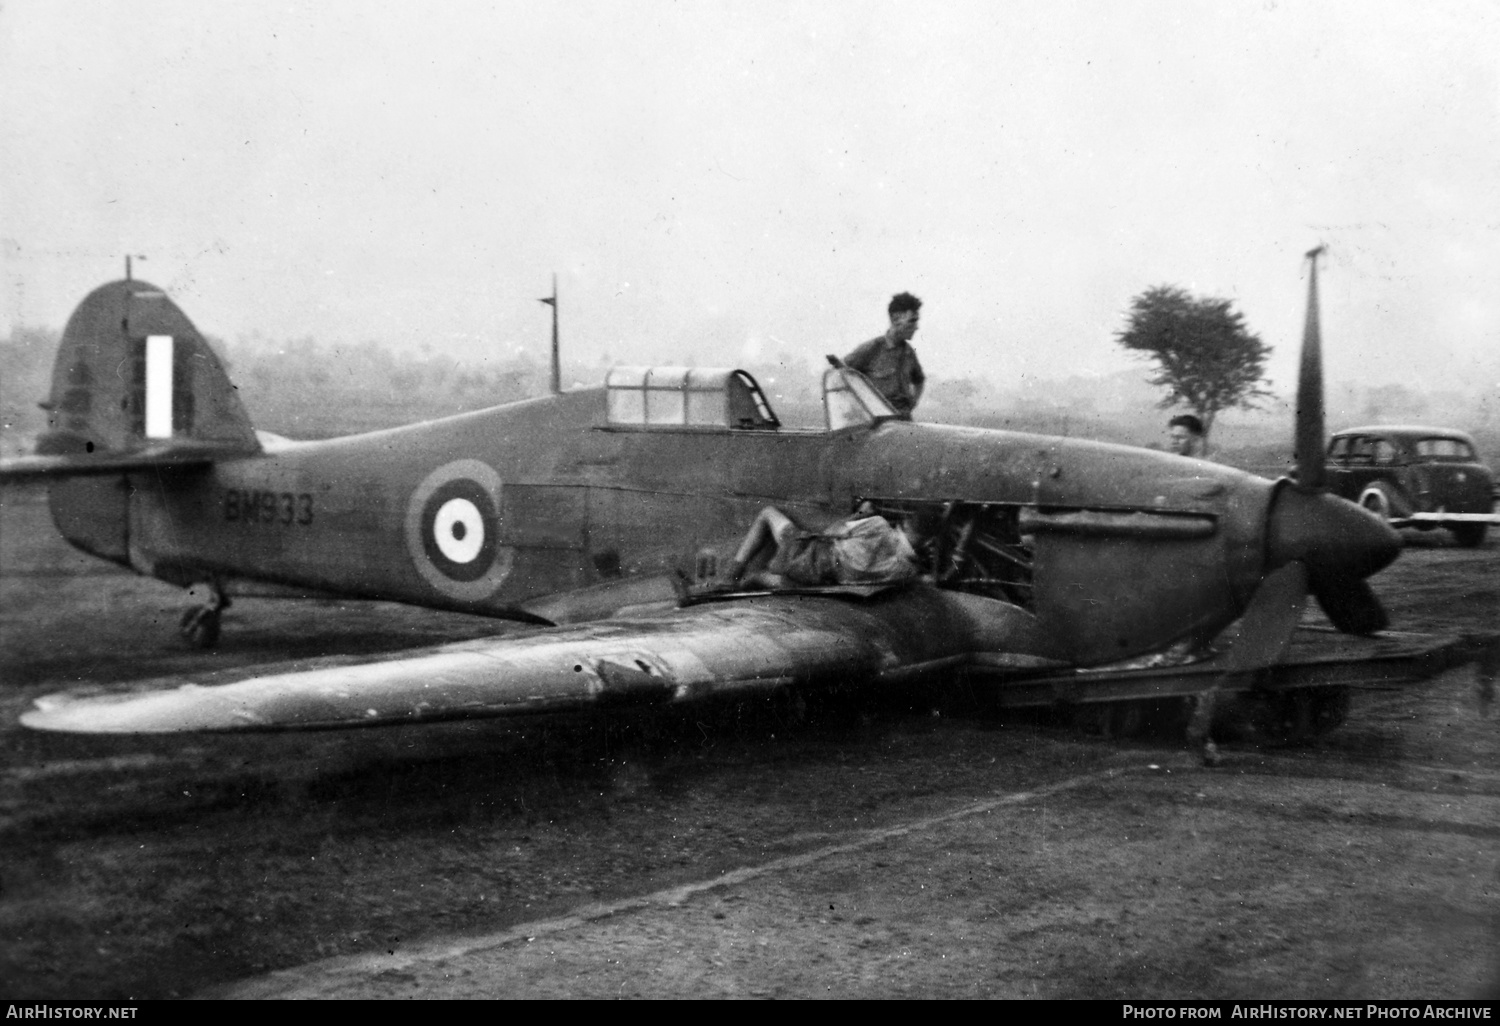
861	549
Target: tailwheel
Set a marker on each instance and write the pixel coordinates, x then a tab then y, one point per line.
199	627
199	624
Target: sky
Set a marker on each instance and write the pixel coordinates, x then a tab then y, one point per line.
724	182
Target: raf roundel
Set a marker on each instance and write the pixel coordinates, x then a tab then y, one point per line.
453	528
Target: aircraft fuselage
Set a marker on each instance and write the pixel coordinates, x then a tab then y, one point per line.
493	512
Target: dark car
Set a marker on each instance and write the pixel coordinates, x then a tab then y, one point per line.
1419	477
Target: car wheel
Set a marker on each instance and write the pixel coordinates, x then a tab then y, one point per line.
1470	536
1377	499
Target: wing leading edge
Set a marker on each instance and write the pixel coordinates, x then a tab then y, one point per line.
689	654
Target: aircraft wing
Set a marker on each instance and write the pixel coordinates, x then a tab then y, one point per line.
744	645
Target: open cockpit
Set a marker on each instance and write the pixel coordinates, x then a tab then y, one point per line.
724	399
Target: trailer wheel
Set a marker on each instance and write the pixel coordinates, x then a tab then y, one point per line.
1296	717
1470	536
1330	708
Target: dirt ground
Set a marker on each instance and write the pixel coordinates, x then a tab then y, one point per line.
917	850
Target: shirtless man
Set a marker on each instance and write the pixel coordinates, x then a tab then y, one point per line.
861	549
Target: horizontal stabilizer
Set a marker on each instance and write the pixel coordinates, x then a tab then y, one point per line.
183	453
723	648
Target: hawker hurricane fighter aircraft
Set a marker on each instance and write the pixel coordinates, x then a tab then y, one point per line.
609	518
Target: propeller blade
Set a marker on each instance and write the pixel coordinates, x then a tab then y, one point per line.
1260	636
1309	443
1350	603
1256	640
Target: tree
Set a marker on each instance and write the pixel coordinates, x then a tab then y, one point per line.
1206	357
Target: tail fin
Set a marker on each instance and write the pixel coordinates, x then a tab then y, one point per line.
135	387
134	376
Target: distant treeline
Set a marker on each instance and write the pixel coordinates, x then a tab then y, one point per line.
303	389
26	356
299	388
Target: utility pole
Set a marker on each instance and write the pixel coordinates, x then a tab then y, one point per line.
556	354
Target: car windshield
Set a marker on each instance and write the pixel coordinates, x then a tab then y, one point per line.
1445	449
1353	449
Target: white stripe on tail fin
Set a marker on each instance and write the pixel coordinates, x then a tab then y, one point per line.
159	386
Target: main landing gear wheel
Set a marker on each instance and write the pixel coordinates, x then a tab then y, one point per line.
1126	719
1122	719
199	625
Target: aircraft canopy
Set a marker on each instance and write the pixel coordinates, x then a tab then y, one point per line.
687	397
849	400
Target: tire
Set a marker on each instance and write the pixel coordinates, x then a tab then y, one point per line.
1330	708
1126	719
1296	717
1377	499
1091	718
199	627
1470	536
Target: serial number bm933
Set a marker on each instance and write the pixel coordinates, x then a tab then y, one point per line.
258	507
